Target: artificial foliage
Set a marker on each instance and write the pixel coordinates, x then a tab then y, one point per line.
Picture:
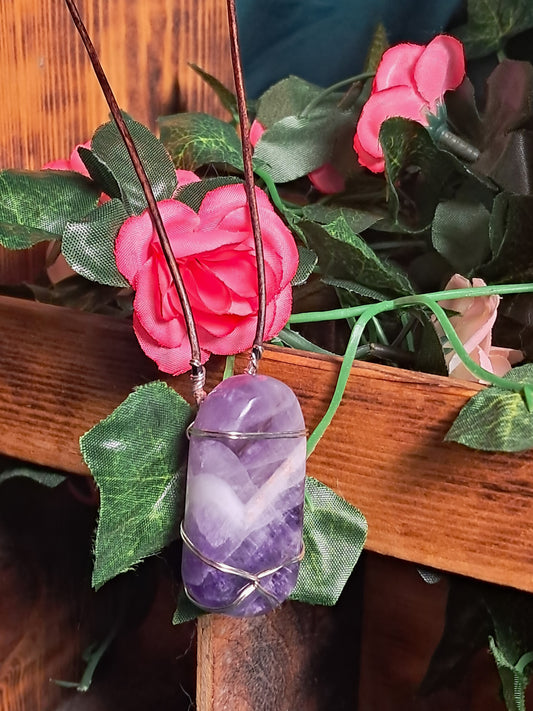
372	242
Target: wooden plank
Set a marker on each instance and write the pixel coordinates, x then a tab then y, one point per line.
297	657
50	97
438	504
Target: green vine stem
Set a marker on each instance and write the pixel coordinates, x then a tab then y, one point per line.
524	661
368	312
331	89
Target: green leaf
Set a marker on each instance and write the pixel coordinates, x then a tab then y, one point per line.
496	420
136	456
342	254
512	617
378	46
460	233
353	287
358	220
88	246
295	145
288	97
35	207
41	476
510	240
505	149
491	23
334	536
194	140
418	173
185	610
307	261
227	97
110	149
293	339
514	680
99	172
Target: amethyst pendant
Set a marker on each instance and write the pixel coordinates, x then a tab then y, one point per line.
242	529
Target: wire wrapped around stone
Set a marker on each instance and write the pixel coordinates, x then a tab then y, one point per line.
254	580
244	502
193	431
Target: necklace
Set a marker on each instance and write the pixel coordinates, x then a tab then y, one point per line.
242	529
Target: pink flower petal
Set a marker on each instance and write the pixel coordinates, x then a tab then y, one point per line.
76	162
397	101
397	66
136	237
473	324
440	68
170	360
374	163
168	329
256	131
327	179
185	177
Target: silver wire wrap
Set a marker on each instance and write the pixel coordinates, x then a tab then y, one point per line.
198	381
255	356
250	587
192	431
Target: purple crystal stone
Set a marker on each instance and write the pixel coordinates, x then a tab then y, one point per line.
244	502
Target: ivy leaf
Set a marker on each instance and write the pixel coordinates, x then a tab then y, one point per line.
136	456
110	150
510	240
512	643
227	97
88	245
419	174
514	679
496	420
491	23
334	536
342	254
194	140
36	206
40	476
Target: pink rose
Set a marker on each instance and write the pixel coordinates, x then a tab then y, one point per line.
215	251
410	81
326	179
473	323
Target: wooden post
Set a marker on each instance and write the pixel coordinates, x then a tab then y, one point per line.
50	97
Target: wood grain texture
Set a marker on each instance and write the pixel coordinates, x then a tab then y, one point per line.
438	504
51	99
297	657
49	95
